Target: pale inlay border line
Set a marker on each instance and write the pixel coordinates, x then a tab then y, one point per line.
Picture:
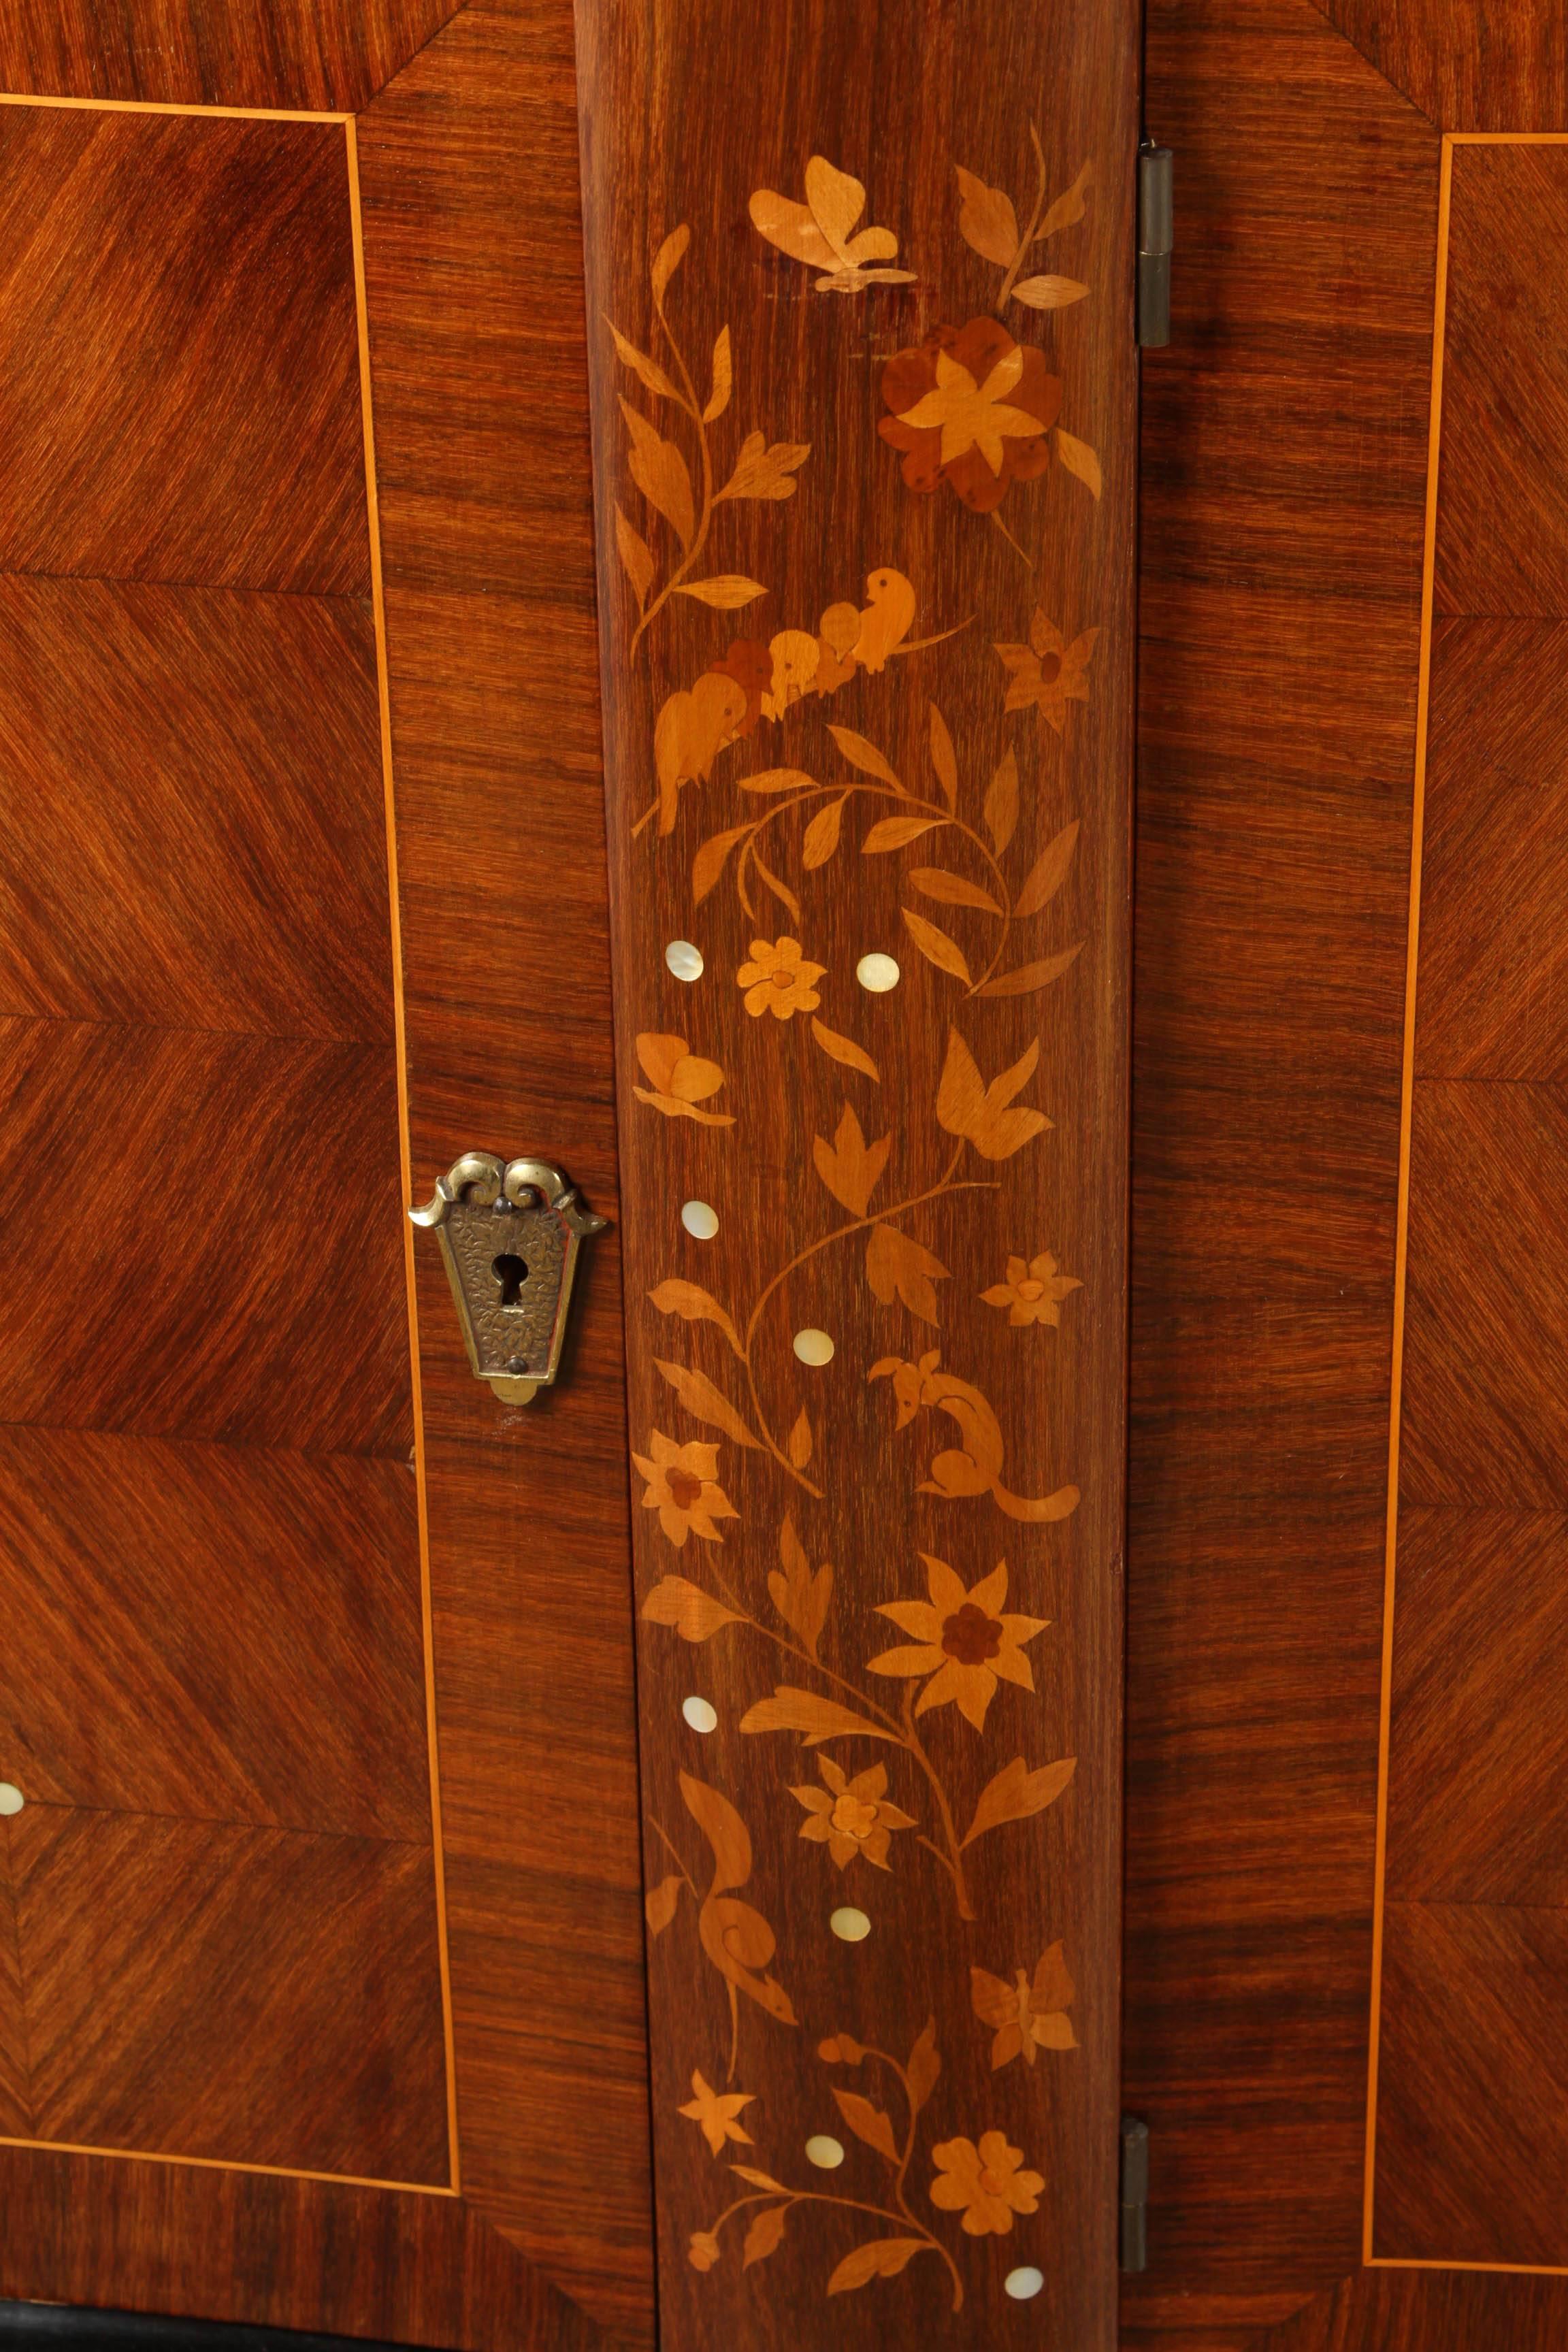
219	2164
1451	139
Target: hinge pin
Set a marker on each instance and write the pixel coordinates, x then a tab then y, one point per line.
1155	239
1134	2194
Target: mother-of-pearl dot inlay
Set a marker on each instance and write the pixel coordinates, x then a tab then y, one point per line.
878	974
684	961
825	2152
699	1714
1024	2282
851	1927
700	1222
11	1798
813	1346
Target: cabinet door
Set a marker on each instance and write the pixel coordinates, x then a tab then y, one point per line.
693	752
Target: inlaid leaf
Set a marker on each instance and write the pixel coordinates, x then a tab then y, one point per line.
867	2123
636	558
1002	801
1068	208
763	2236
700	1398
709	863
967	1106
797	1445
781	891
935	945
1047	293
1017	1793
951	890
897	833
802	1600
924	2066
816	1718
647	371
1030	976
821	837
849	1166
765	469
778	780
668	258
659	470
726	590
986	219
723	378
759	2179
1048	872
943	759
882	2258
660	1902
695	1614
898	1266
695	1305
724	1829
1080	460
863	755
844	1049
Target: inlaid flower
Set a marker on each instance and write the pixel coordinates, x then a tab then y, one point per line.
851	1817
683	1487
702	2252
986	2184
1033	1292
1048	672
780	979
972	407
962	1639
716	2111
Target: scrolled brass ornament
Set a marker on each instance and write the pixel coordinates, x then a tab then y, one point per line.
510	1233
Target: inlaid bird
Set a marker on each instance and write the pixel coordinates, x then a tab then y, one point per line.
885	622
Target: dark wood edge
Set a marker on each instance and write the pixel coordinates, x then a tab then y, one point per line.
29	2327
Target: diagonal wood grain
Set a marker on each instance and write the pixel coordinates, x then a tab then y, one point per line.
16	2103
192	832
1428	2311
250	1995
241	1276
1470	64
1492	994
1472	2105
330	54
1484	1418
219	1632
179	364
1282	481
1502	518
1479	1740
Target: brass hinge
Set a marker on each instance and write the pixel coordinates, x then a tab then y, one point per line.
1155	239
1134	2194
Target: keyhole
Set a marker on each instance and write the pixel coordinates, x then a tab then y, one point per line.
511	1272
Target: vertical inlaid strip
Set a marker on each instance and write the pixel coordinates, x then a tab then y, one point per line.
863	385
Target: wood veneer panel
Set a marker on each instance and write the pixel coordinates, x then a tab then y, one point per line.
249	1995
193	834
1483	1419
1473	2116
243	1276
1493	996
178	354
685	117
1470	64
1502	513
419	2269
1428	2311
1478	1744
333	53
473	259
1272	861
15	2109
218	1632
